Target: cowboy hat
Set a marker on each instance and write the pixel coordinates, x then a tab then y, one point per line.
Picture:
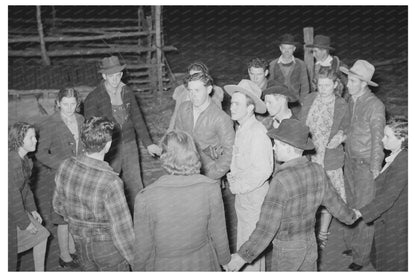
250	89
111	65
282	90
362	70
294	133
321	41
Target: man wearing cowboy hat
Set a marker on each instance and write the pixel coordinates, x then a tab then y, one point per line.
289	70
325	62
115	100
364	154
277	99
288	212
252	160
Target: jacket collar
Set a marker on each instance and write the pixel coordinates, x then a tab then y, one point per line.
94	163
294	162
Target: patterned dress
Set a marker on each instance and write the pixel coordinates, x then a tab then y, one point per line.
319	121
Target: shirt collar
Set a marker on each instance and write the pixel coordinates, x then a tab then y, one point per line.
280	60
392	156
300	160
326	62
98	164
202	108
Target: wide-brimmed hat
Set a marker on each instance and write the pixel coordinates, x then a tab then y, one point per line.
282	90
321	41
111	65
293	132
250	89
361	69
288	39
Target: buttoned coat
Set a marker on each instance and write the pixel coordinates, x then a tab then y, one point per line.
389	212
334	158
179	225
213	128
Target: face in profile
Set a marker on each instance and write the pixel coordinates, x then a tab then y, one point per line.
198	92
282	150
29	142
275	103
239	109
390	141
257	75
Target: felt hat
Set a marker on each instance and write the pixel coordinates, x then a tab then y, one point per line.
293	132
282	90
250	89
321	41
362	70
288	39
111	65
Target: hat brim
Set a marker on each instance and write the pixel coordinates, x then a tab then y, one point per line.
260	107
294	43
319	46
112	70
349	72
275	134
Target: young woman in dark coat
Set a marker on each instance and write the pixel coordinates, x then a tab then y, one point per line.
389	210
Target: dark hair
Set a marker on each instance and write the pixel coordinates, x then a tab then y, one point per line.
399	125
17	133
198	66
200	76
96	132
179	154
68	92
258	63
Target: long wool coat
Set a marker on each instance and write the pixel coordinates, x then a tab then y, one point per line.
389	211
179	225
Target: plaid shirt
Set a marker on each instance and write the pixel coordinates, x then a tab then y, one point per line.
289	208
90	196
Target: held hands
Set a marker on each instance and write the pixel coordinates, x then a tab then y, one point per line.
32	229
154	150
235	264
336	140
37	216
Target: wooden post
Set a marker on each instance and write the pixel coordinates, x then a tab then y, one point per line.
158	49
53	17
45	57
308	56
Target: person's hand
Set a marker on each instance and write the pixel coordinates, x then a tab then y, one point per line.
336	140
32	229
236	263
357	213
225	267
323	238
37	216
375	173
154	150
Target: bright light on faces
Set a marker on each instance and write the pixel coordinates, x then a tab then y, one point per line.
258	75
355	85
113	79
68	105
390	141
287	50
326	86
198	93
239	109
29	142
275	103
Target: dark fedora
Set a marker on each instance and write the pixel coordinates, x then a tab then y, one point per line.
321	41
288	39
293	132
282	90
111	65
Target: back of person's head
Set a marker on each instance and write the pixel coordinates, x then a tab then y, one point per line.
95	134
197	66
200	76
17	133
179	154
258	63
399	125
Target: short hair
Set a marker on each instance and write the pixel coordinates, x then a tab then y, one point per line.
95	133
399	125
328	74
198	66
17	133
258	63
68	92
179	154
200	76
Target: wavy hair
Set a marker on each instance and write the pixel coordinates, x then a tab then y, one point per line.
399	125
258	63
179	154
95	133
200	76
17	133
68	92
197	66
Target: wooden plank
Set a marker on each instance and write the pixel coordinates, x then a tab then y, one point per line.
141	66
158	11
44	55
308	55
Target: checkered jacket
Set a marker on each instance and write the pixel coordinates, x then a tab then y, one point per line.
90	196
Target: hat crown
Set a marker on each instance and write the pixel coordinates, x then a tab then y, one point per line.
287	39
363	69
110	62
250	86
293	132
322	40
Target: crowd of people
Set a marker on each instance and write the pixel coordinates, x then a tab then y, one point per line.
296	151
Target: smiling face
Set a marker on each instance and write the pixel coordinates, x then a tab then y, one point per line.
68	105
113	80
390	141
198	93
29	142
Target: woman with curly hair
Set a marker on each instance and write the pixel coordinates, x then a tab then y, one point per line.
24	222
58	140
179	220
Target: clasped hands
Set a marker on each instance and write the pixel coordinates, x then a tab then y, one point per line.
235	264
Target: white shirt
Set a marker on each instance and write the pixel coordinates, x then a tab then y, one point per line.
390	159
252	160
198	110
326	62
280	60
